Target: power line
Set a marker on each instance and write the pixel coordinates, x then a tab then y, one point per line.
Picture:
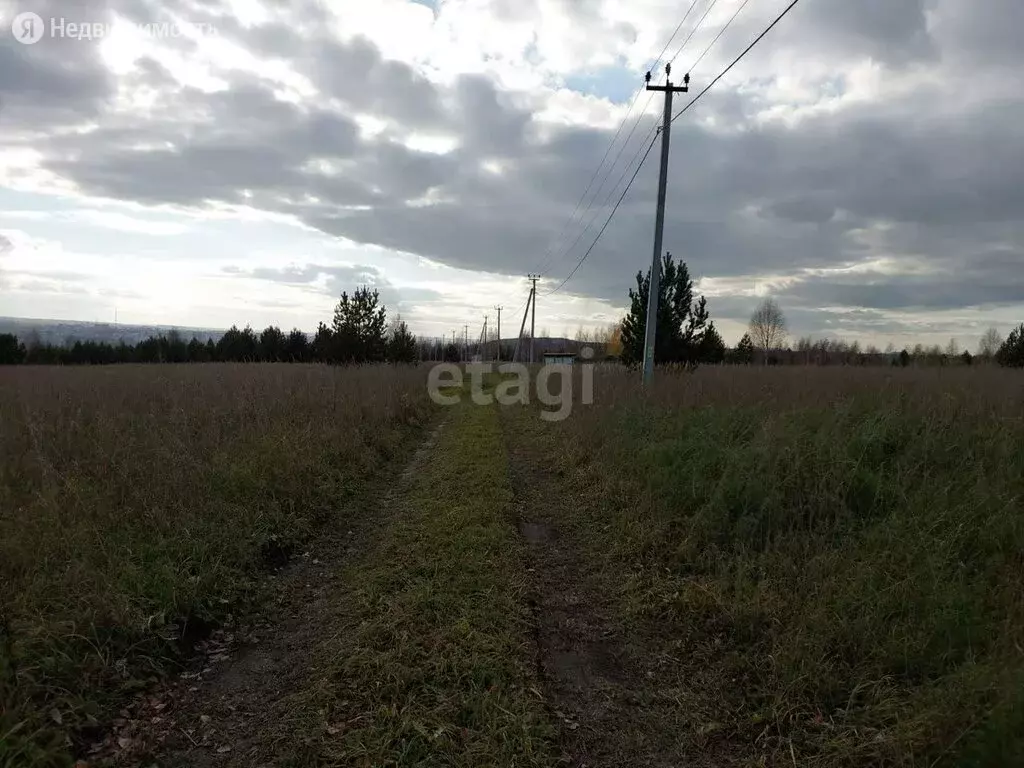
678	27
718	36
693	101
655	126
636	96
694	30
597	170
737	60
611	192
549	259
607	221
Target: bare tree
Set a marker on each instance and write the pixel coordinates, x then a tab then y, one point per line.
990	343
768	325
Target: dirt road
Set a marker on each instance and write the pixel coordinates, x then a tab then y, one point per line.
464	621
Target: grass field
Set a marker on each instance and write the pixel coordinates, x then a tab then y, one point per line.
743	566
139	506
842	548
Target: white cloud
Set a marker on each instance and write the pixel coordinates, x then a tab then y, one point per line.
443	147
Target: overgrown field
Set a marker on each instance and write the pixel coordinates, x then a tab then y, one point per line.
825	564
836	555
139	505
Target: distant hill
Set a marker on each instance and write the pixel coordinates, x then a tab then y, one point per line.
64	331
556	344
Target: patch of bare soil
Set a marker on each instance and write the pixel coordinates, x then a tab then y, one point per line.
620	693
231	707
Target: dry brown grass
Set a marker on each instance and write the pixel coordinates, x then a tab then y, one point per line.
841	548
138	501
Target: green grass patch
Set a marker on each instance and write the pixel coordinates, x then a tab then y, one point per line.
433	664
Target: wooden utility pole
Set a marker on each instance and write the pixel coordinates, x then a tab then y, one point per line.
654	288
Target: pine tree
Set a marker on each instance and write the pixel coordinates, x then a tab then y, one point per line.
323	345
235	345
711	348
197	351
744	350
296	346
11	351
452	354
272	344
1011	353
360	328
401	343
680	323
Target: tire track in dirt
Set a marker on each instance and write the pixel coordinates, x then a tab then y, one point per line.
231	708
618	697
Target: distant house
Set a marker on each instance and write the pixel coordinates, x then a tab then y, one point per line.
559	358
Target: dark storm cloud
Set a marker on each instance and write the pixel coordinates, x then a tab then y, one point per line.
222	145
492	124
803	210
56	81
981	34
894	31
352	71
956	279
920	175
357	74
911	293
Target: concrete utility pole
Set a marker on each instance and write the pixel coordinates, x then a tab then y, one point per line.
522	326
533	313
498	356
659	222
465	343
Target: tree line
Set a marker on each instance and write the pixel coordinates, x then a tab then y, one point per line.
359	333
686	335
766	339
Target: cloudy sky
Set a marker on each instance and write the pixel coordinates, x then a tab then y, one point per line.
864	164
